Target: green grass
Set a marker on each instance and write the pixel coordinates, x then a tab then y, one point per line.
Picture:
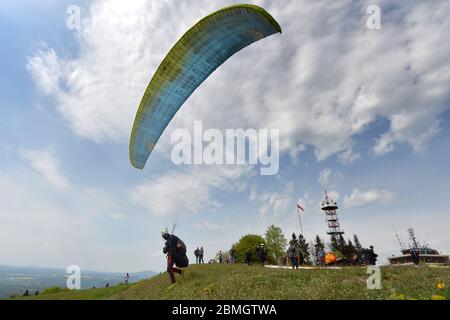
243	282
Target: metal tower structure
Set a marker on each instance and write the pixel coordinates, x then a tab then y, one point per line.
398	238
329	206
412	238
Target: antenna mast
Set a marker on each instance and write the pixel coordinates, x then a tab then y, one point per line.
413	239
398	238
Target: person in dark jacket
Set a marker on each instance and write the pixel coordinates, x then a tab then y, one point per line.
176	254
293	255
232	255
372	256
262	254
248	258
197	255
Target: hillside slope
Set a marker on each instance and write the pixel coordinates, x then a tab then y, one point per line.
243	282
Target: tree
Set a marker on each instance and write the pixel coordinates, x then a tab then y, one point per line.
312	252
341	243
319	246
334	244
275	243
348	250
247	243
358	248
358	245
304	248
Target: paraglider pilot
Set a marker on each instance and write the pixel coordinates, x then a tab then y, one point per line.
176	254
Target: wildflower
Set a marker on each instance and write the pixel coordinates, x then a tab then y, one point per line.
399	296
441	285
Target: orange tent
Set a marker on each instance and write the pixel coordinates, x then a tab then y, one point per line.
330	258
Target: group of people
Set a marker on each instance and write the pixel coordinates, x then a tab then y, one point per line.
199	253
261	253
177	259
175	249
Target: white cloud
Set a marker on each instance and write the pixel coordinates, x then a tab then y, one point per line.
360	198
273	204
210	226
348	156
187	192
295	152
45	163
324	176
320	86
404	128
334	195
328	178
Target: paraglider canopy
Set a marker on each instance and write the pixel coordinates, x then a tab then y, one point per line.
200	51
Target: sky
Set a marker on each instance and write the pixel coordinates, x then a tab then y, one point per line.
362	112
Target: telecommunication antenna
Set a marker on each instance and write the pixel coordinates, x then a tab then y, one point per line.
398	238
413	239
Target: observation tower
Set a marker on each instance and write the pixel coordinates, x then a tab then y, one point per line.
329	207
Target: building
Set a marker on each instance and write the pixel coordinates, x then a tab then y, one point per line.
426	254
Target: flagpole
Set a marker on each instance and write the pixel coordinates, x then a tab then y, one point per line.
300	221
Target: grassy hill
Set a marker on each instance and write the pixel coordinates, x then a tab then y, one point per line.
243	282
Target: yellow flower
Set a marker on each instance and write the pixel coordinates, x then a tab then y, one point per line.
436	297
399	296
441	285
207	290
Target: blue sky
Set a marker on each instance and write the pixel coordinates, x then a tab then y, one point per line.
363	113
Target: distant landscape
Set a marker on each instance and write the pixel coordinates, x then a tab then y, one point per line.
15	280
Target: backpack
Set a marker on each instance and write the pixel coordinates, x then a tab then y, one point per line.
181	247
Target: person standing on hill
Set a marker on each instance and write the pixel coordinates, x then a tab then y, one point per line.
249	257
321	257
201	253
372	256
176	255
233	255
197	255
127	277
293	255
220	257
262	254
